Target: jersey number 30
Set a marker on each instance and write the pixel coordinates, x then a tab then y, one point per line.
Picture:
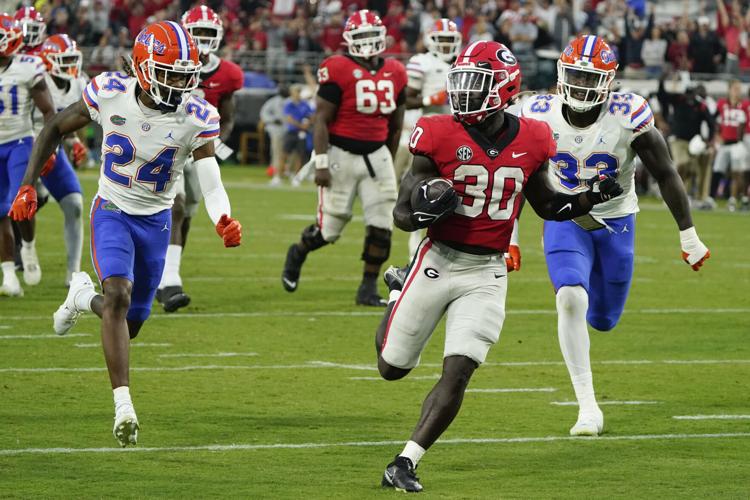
119	151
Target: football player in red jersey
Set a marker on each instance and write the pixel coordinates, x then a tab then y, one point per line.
490	157
219	80
360	113
33	29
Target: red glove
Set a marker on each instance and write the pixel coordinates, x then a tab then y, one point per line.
436	99
513	258
24	206
47	168
80	154
230	231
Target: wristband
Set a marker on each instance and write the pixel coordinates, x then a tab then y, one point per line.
321	161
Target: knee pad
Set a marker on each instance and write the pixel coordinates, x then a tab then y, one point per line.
377	245
572	299
312	238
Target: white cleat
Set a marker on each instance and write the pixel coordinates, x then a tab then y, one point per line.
32	273
68	313
11	289
126	426
590	423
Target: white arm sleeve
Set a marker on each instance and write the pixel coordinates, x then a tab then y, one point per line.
209	177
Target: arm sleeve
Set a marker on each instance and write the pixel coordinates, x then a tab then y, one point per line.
91	97
214	194
331	92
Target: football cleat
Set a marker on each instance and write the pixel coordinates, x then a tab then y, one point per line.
292	268
68	313
590	423
172	298
11	288
126	425
395	277
367	295
32	273
400	475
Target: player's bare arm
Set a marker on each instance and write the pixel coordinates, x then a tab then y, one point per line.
326	112
65	122
42	100
422	168
226	116
395	124
551	205
413	98
652	150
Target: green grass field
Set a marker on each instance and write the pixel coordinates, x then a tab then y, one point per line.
297	410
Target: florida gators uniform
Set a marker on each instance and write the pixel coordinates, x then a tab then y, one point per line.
444	280
143	154
594	251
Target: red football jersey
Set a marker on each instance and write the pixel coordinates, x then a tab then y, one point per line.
366	99
488	176
32	51
226	79
732	119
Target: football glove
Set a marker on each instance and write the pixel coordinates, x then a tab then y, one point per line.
694	252
513	258
25	204
230	230
49	165
428	212
80	154
602	188
435	99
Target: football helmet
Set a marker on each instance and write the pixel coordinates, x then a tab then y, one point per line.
61	56
165	61
585	72
443	40
484	79
11	38
32	25
206	28
364	34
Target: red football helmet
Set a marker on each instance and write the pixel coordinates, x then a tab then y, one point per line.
61	56
444	40
11	38
166	63
206	28
32	25
364	33
585	72
484	79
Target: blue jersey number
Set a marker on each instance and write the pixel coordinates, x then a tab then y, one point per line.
570	167
13	92
197	108
120	151
541	104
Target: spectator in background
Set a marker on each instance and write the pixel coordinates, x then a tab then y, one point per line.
565	25
297	115
394	21
731	28
653	53
482	31
731	155
503	33
523	33
635	32
272	114
332	36
411	29
704	50
99	15
677	54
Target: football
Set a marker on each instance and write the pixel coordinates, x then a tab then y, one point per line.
430	189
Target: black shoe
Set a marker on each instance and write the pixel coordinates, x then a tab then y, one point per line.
172	298
395	277
400	475
367	295
292	268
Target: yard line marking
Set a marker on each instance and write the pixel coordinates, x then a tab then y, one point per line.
434	376
711	417
44	336
518	389
209	355
132	344
512	312
307	446
328	364
4	327
601	403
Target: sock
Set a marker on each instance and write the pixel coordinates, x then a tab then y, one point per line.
122	396
394	295
171	275
369	277
83	299
413	452
72	206
9	271
28	245
573	334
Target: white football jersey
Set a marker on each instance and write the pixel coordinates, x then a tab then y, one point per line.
16	104
603	147
144	150
427	74
61	98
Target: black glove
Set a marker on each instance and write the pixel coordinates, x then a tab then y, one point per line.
428	212
608	188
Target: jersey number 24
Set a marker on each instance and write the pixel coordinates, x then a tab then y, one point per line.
119	151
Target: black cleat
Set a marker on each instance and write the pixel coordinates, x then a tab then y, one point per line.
400	475
395	277
172	298
367	295
292	268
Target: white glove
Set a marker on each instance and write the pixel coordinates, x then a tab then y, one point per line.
694	252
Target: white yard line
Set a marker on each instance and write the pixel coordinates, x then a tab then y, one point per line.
603	403
308	446
209	355
711	417
514	389
132	344
44	336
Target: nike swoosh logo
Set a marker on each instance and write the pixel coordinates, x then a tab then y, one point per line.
567	206
214	84
289	282
23	198
518	155
423	219
498	275
387	74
